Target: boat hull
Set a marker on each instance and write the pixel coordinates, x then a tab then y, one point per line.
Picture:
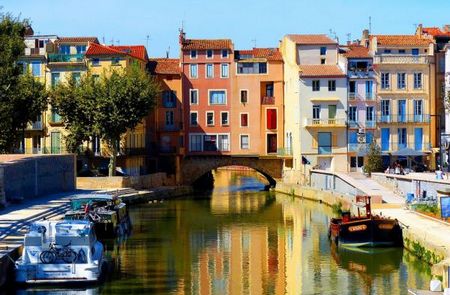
372	232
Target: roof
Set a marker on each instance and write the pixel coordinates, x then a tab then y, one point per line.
164	66
138	51
320	71
310	39
271	54
77	40
192	44
356	51
401	40
435	32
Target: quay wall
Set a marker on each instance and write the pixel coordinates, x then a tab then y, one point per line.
23	178
136	182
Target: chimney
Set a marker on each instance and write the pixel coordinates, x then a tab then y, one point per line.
182	37
365	34
29	31
419	30
446	28
349	42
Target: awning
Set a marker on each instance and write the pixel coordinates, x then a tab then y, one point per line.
407	152
325	99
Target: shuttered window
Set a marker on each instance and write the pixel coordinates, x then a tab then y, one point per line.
271	119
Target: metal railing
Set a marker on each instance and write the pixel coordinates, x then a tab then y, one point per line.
362	73
401	59
136	151
58	57
393	146
40	150
424	118
268	100
355	96
54	118
337	122
284	151
358	147
36	125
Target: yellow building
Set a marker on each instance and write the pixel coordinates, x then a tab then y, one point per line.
404	67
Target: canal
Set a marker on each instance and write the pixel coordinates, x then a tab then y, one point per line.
239	240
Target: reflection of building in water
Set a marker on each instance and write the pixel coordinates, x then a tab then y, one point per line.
237	203
243	260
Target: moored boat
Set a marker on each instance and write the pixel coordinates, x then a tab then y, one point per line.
108	213
365	229
60	252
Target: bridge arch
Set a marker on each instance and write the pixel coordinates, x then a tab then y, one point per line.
194	167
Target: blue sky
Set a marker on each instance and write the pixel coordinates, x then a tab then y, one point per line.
247	22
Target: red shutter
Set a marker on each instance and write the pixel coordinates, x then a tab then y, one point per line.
271	119
244	120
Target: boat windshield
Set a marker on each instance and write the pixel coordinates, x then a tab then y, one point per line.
79	204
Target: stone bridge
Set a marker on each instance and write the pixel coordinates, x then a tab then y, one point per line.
194	167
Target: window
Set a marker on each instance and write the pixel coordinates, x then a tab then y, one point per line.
169	119
352	114
169	98
401	80
401	110
23	67
224	53
209	71
77	77
224	71
387	51
331	85
385	81
418	110
194	119
385	110
224	118
81	49
316	85
324	142
55	79
316	112
269	89
369	88
323	50
352	89
271	143
193	71
370	114
210	143
36	68
115	61
195	143
244	120
252	68
245	142
323	61
415	51
401	51
193	53
402	138
217	97
193	96
64	49
271	118
418	139
417	80
385	139
209	53
224	143
244	96
95	62
210	118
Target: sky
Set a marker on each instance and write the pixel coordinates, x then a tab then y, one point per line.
247	22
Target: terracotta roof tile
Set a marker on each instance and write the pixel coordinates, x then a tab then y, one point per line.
193	44
320	71
401	40
271	54
77	40
164	66
356	51
321	39
138	52
435	32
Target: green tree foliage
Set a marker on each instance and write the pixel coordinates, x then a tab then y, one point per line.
22	98
374	160
105	107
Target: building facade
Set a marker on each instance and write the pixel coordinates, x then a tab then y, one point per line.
404	67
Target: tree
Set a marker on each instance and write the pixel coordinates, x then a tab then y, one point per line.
107	108
374	160
22	97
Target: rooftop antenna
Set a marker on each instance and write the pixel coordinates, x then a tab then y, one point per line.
118	42
112	41
103	40
333	34
349	37
167	52
370	25
254	42
148	38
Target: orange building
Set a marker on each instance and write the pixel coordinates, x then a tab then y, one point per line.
207	94
257	102
168	115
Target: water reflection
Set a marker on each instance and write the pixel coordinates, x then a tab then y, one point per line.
249	243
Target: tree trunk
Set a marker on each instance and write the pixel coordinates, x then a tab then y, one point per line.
113	157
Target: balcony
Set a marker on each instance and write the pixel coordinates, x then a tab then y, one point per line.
392	146
35	126
401	59
66	58
35	51
268	100
54	119
370	124
360	73
369	96
283	152
358	147
326	123
403	119
353	124
135	151
41	150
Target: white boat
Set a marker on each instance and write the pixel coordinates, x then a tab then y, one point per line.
60	252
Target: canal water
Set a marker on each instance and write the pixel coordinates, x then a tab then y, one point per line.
239	240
